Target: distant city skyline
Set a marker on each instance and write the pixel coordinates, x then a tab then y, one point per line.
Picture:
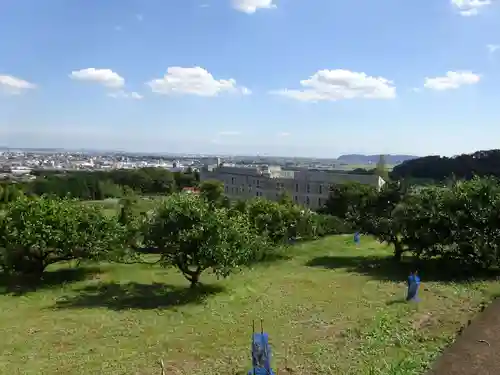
246	76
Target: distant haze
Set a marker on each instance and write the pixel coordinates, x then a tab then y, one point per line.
373	159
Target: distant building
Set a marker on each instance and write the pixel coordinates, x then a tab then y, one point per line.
306	187
18	171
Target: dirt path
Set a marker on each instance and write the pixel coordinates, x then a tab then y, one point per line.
477	350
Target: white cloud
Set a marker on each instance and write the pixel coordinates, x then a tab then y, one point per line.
105	77
341	84
284	134
193	81
452	80
125	95
13	85
469	8
251	6
492	48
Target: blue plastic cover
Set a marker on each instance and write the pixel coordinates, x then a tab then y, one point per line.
261	355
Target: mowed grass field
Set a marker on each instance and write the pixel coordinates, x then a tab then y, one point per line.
351	167
112	206
331	308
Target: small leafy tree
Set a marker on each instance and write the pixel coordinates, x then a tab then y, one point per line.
347	199
194	236
376	213
37	232
457	224
212	191
272	220
285	199
132	220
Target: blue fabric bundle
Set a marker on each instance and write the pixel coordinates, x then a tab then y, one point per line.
413	285
261	355
357	238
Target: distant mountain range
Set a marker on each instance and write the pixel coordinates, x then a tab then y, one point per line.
373	159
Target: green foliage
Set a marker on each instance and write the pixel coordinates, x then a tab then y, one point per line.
377	215
132	221
194	236
10	192
459	224
278	222
37	232
347	199
213	191
285	199
327	225
97	185
440	168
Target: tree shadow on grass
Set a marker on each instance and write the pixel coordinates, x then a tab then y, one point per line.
386	268
17	285
269	259
133	295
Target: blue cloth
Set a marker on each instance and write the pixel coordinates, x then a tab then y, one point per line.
413	284
261	371
357	238
261	355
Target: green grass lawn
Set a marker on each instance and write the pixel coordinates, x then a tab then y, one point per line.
330	309
112	206
351	167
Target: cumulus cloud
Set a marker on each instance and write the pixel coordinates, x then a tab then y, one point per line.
105	77
452	80
193	81
14	86
341	84
469	8
251	6
125	95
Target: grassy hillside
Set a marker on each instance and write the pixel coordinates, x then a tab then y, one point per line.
332	308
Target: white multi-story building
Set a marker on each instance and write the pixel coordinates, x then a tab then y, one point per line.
309	188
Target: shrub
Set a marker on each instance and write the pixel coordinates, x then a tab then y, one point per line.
193	236
37	232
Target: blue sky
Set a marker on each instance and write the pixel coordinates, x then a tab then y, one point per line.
283	77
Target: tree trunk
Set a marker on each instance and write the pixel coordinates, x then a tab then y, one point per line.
194	279
192	276
398	250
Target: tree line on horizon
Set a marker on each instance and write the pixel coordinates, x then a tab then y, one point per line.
99	185
438	169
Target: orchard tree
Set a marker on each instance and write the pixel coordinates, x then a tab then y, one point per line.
280	222
458	223
212	191
132	220
37	232
347	199
378	214
193	236
285	199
